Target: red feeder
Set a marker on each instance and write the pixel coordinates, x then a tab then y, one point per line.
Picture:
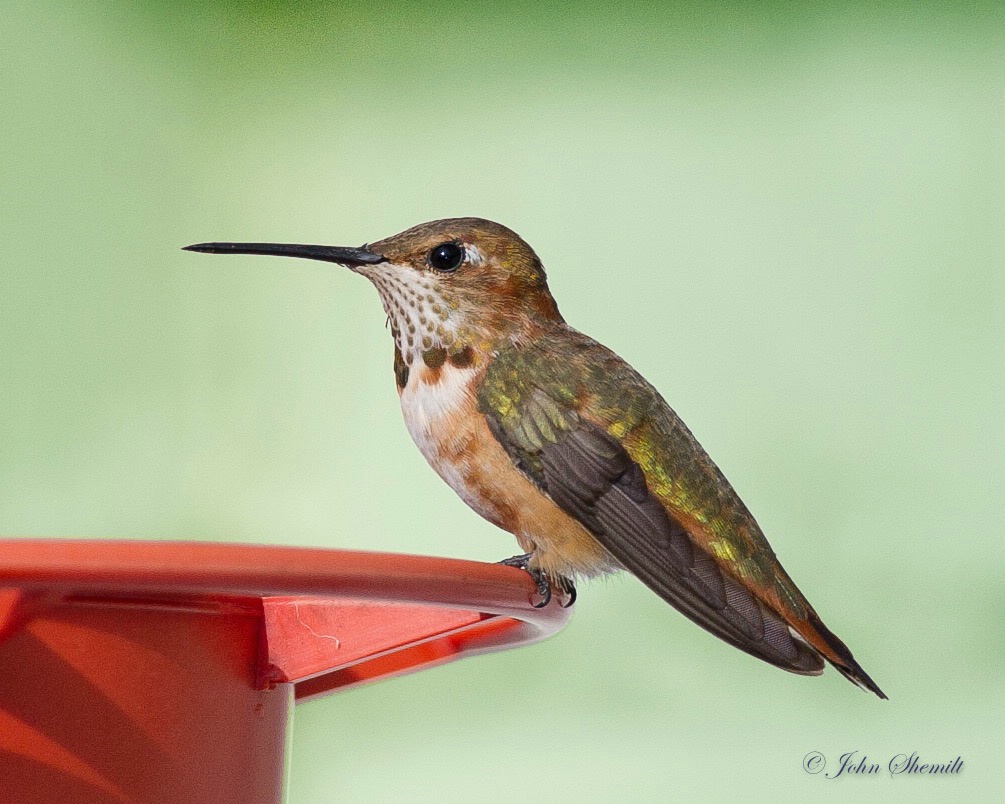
166	671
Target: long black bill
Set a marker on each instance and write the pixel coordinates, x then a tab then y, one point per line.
343	256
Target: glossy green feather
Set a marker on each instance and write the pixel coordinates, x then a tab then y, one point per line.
533	392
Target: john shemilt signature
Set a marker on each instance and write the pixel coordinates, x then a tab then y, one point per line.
853	763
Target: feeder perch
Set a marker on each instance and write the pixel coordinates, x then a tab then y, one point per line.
167	672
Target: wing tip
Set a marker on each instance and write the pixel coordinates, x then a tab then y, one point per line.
842	659
857	676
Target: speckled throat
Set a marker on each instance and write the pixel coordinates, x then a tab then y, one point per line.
421	319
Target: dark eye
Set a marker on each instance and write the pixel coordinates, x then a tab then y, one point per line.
446	257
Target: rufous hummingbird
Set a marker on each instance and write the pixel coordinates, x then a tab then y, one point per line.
553	437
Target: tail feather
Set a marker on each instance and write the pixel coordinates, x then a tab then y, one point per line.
837	653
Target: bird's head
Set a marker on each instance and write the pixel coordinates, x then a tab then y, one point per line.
453	283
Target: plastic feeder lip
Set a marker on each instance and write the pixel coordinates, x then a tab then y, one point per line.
167	671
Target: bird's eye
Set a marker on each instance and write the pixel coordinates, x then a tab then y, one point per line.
446	257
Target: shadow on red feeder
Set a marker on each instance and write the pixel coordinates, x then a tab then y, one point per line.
167	671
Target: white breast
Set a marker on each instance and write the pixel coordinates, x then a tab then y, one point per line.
427	402
441	414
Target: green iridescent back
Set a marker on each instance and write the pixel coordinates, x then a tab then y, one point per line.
534	392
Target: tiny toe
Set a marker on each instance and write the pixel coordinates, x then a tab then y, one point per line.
568	591
543	588
520	562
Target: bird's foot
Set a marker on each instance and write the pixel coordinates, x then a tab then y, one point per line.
543	582
540	579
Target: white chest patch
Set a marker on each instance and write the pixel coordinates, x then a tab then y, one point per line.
441	414
432	409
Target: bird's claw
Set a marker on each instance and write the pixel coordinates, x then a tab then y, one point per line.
543	582
568	592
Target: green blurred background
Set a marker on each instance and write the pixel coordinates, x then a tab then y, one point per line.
789	220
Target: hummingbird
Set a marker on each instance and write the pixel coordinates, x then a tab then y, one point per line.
553	437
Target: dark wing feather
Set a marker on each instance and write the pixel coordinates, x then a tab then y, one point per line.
552	405
590	475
